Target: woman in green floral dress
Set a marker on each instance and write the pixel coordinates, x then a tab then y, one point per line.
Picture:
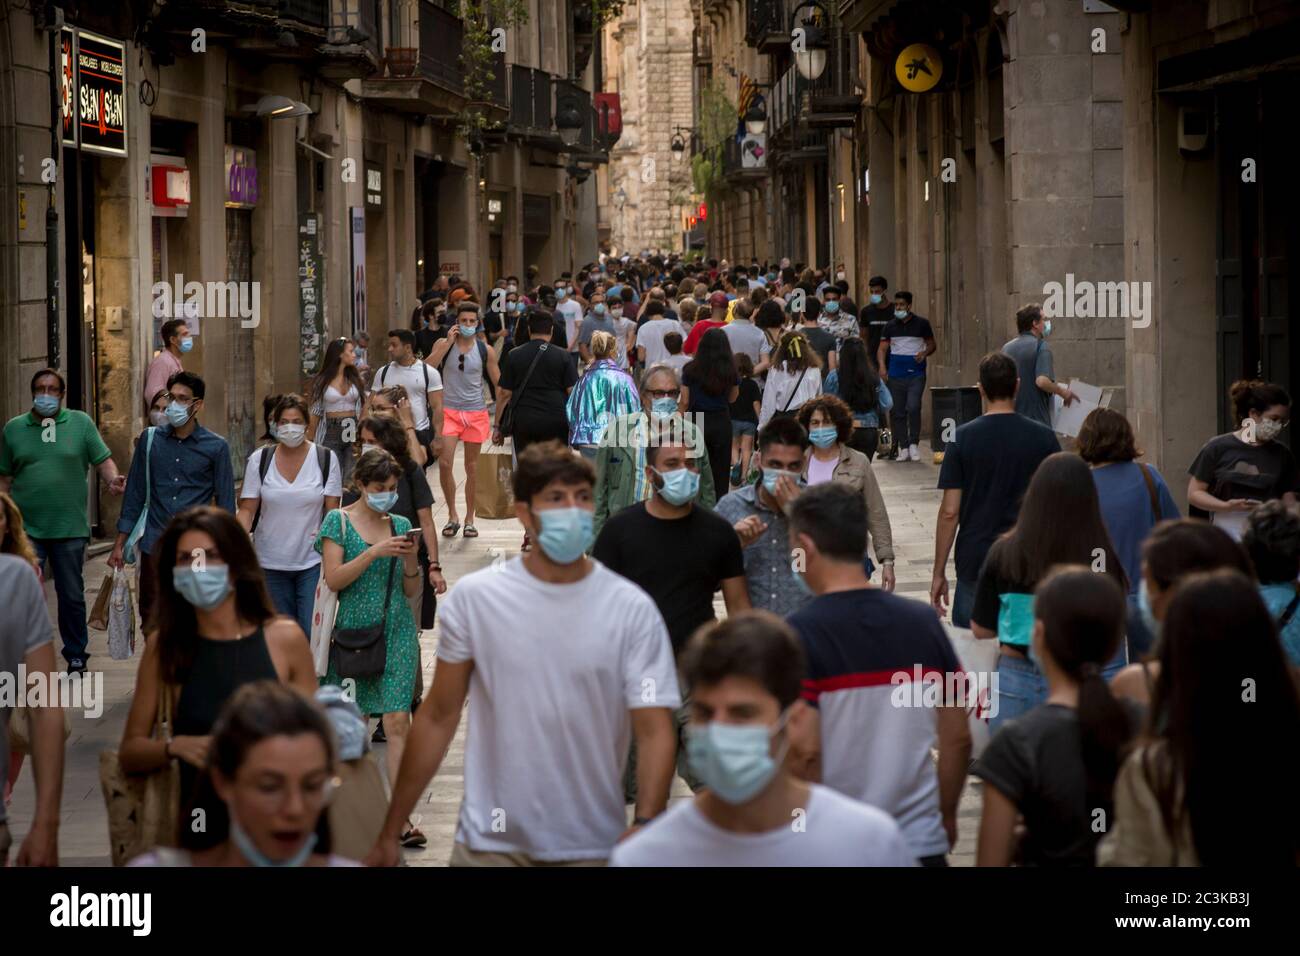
360	546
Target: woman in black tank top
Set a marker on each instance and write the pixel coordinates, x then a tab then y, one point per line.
214	630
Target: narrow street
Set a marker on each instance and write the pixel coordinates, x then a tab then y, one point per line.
912	500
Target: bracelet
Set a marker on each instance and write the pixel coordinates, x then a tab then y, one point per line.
435	567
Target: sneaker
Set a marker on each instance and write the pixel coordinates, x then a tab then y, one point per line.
902	454
915	452
379	737
413	839
77	665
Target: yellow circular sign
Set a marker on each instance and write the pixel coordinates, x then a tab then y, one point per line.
918	67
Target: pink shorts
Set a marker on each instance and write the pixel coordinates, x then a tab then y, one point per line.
467	426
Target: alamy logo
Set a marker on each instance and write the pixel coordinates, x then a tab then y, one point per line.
132	910
71	691
210	300
1102	300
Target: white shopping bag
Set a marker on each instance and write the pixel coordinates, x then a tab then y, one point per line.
121	618
324	608
979	662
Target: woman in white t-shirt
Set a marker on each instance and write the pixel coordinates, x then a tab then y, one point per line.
294	483
795	377
336	394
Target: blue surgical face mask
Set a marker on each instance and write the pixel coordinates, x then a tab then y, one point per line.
876	298
772	475
831	306
734	760
598	308
177	413
248	849
663	407
824	437
1148	615
680	485
900	313
562	293
468	331
203	587
187	344
46	405
1047	328
381	501
566	533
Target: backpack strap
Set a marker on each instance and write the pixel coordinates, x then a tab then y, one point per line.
1289	613
263	466
323	462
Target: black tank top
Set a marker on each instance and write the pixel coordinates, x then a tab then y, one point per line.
220	668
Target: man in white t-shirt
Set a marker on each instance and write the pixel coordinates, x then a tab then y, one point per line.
745	674
650	348
422	382
563	662
570	309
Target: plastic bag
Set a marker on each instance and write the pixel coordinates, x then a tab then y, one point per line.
121	618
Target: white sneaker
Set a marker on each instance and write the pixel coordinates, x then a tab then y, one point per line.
904	454
915	452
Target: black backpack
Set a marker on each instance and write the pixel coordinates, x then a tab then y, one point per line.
264	465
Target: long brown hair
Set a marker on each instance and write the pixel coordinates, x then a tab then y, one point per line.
795	354
174	624
329	367
15	539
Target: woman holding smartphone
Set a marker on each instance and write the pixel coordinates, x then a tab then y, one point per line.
371	563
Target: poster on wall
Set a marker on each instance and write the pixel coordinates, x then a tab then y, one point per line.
311	293
358	216
101	94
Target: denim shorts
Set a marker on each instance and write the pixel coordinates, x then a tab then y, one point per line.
743	428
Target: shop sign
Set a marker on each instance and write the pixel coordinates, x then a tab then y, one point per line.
357	214
374	187
919	67
101	94
171	186
241	178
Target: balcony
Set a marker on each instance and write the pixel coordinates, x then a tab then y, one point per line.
767	25
351	49
744	162
532	108
833	100
425	78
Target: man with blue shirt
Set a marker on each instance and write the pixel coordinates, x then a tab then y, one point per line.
187	465
43	465
1033	360
907	341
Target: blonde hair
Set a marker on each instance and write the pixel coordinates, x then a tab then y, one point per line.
603	345
15	541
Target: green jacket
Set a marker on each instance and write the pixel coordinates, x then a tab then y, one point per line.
616	468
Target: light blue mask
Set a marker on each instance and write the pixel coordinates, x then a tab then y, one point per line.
177	413
772	475
562	293
1144	609
831	307
1047	328
381	501
663	407
468	331
802	583
46	405
187	344
248	849
598	308
566	533
824	437
205	588
733	760
680	485
900	314
876	297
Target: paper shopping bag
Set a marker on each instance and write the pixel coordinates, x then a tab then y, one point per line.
99	612
494	485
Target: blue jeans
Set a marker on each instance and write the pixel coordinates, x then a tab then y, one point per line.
62	559
963	601
906	413
1140	637
1021	686
294	593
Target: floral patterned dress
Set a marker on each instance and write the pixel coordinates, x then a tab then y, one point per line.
361	604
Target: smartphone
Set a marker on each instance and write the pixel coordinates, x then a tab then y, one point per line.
413	536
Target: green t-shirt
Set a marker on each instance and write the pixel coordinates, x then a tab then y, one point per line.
48	465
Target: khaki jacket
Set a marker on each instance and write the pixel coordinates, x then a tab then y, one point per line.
854	470
616	468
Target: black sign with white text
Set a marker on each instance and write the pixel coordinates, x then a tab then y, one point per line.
101	94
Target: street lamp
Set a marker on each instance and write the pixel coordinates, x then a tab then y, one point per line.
811	60
277	107
620	198
568	121
678	146
756	117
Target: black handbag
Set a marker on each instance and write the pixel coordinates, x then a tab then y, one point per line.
362	652
785	412
507	423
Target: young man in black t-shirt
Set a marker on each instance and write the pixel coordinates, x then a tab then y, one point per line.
680	555
986	469
536	401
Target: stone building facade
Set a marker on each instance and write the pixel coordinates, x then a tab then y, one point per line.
648	62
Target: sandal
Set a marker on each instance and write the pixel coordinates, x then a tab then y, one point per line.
450	529
414	839
471	531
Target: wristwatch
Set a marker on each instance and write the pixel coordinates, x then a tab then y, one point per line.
886	564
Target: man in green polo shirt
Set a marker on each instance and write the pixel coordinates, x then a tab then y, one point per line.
43	467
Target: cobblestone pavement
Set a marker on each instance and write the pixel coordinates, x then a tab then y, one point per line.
910	494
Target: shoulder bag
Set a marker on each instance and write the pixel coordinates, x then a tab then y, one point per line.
143	809
785	412
507	423
362	652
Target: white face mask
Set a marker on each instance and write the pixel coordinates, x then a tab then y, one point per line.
291	436
1266	429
